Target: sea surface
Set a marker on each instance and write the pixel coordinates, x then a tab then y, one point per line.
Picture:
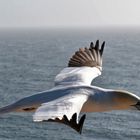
29	62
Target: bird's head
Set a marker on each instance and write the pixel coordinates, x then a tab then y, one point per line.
122	100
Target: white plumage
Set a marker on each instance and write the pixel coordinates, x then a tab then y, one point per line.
65	105
77	76
73	93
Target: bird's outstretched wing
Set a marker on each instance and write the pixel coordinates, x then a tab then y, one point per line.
83	67
64	110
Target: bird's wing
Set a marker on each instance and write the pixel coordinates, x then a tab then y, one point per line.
64	110
83	67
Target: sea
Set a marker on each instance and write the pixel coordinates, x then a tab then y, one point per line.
31	58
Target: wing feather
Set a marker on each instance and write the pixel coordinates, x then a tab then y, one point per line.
92	56
68	105
83	67
65	110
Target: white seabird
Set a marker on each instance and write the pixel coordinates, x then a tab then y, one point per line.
73	93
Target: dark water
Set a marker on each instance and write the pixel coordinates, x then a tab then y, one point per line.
29	61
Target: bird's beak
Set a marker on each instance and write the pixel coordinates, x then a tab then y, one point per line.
137	105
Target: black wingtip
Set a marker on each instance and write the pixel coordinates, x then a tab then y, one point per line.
91	45
97	45
102	48
65	118
72	122
74	118
77	126
81	122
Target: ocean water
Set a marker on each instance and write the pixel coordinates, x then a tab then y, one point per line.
29	61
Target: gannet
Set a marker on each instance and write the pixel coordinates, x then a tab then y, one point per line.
73	93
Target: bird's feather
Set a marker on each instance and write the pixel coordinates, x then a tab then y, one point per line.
64	110
91	57
83	67
77	76
67	105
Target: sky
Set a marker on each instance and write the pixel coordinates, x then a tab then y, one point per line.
69	13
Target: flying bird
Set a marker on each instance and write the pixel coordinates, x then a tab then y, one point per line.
73	93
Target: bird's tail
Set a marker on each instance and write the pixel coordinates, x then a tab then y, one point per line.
7	109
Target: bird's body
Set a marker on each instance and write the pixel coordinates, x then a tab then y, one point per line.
98	99
30	103
73	93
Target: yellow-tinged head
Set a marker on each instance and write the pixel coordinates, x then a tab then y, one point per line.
121	100
106	100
